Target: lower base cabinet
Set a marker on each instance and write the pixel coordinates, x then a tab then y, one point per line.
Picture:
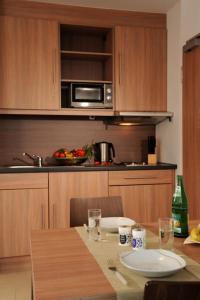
21	211
42	200
22	208
64	186
146	196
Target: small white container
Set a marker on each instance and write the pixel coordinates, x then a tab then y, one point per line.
138	238
124	235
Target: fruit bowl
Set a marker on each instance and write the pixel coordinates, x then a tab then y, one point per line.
71	161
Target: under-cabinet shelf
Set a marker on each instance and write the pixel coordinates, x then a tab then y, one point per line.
84	55
89	81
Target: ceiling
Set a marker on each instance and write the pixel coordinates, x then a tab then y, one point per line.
157	6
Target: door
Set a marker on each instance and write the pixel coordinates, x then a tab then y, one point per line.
191	129
21	211
29	63
64	186
144	203
140	69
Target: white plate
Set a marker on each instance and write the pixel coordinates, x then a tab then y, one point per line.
152	262
111	224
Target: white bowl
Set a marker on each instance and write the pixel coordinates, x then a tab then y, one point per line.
152	262
111	224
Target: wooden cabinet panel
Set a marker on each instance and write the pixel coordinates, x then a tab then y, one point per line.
140	69
144	203
141	177
146	194
29	77
23	181
191	129
21	211
64	186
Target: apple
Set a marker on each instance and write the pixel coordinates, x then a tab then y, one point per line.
195	234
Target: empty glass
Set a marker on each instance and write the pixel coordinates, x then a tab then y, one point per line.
166	233
94	218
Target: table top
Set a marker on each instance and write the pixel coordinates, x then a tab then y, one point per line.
62	263
63	267
191	250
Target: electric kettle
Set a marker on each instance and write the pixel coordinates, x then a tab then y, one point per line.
104	152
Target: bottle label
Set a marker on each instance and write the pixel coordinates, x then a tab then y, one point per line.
177	222
177	191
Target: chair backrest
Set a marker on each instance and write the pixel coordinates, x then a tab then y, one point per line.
110	207
172	290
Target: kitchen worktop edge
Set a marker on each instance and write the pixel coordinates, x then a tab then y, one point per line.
159	166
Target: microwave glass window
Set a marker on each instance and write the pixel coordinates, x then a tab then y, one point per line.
89	94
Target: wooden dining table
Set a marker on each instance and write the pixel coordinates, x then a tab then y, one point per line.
65	268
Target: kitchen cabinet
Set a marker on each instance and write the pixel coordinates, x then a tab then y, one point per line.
42	200
29	60
146	195
140	69
23	206
64	186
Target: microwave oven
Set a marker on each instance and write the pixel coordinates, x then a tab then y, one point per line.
86	95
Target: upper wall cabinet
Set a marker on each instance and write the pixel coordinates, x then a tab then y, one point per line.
140	69
29	77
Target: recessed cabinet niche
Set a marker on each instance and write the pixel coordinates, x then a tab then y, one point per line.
86	56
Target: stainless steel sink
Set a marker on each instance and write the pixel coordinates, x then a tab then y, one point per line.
22	167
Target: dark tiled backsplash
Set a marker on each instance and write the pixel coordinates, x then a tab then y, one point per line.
42	136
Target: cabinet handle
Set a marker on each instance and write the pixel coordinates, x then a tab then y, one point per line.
140	177
43	217
120	67
54	52
54	215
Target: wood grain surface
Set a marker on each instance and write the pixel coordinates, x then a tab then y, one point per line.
68	14
63	268
66	185
191	250
29	62
141	69
191	129
23	181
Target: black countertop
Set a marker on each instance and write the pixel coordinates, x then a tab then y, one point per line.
84	168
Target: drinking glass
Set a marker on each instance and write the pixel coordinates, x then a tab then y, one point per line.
94	218
166	233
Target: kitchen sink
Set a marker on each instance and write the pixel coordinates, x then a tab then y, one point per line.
22	167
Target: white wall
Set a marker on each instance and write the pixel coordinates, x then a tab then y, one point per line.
169	133
190	19
183	22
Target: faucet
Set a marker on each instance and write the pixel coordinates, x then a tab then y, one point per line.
37	160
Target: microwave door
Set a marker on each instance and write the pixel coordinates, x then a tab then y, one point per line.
86	96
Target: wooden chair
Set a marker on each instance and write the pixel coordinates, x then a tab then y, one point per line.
110	207
172	290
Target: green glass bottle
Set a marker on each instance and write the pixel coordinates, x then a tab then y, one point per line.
180	209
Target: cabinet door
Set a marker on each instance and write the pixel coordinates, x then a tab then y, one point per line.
140	69
64	186
144	203
21	211
28	63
